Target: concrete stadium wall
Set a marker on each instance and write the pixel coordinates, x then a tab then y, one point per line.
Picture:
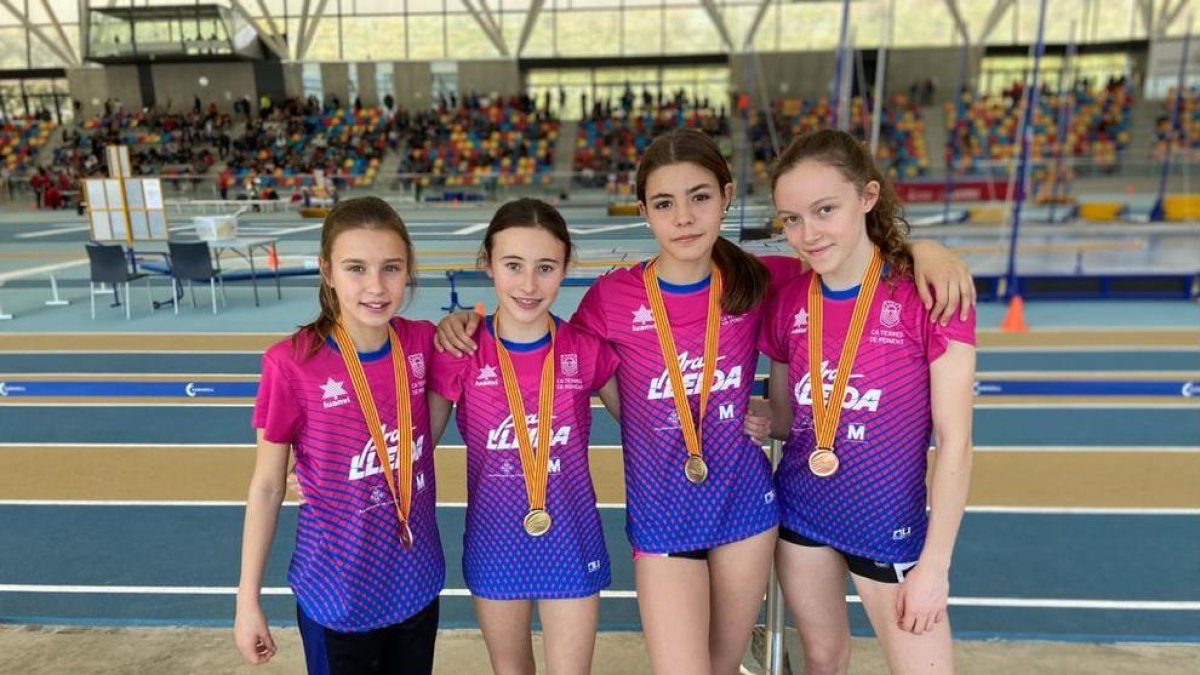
177	83
942	65
293	79
809	74
488	77
367	90
413	81
335	81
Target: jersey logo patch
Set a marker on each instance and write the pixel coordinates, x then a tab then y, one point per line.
569	363
417	363
800	323
643	319
487	377
333	394
889	314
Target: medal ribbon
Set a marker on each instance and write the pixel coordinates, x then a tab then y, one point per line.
692	431
826	414
402	494
533	466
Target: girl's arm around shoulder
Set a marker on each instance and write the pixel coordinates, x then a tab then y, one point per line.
943	281
263	500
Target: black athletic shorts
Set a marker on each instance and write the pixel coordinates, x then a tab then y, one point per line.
888	573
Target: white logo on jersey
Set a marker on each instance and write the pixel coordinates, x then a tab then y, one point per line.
333	394
593	566
800	324
889	315
569	364
693	370
487	377
417	362
504	437
420	479
643	319
901	534
856	432
854	399
366	463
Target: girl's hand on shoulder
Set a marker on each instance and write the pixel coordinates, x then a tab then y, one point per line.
943	281
757	424
252	636
921	603
454	333
293	486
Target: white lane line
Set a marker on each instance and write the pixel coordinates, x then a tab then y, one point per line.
1002	510
470	229
50	233
605	228
1028	603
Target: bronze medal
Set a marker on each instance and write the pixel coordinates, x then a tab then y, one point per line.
695	469
537	522
826	414
822	462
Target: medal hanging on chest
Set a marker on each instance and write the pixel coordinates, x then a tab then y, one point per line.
534	466
826	414
402	492
695	469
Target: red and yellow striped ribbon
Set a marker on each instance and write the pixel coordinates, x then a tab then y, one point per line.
533	466
692	430
402	493
827	414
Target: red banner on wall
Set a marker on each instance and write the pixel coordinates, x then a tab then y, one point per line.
971	190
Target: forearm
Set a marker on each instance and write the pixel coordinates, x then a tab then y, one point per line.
262	517
948	500
439	415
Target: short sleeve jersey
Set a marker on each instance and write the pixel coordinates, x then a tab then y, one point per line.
500	560
874	505
349	570
666	513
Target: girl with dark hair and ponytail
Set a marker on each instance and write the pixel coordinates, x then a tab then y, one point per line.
346	396
851	482
701	504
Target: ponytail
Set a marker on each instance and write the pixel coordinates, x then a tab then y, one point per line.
744	278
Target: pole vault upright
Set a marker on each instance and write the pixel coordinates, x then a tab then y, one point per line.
1158	212
1012	291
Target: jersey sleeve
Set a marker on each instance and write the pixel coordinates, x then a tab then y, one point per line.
446	374
606	363
938	336
773	334
589	316
277	410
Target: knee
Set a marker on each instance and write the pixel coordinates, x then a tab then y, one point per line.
832	659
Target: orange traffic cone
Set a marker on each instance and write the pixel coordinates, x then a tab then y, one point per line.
1014	319
272	258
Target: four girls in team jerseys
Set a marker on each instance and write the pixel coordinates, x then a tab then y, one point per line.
671	346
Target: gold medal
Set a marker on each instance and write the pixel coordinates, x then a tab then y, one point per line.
537	522
822	462
695	469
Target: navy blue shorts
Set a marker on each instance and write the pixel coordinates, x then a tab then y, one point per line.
405	648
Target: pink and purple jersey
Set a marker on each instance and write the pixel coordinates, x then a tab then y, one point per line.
666	513
500	560
874	506
349	570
